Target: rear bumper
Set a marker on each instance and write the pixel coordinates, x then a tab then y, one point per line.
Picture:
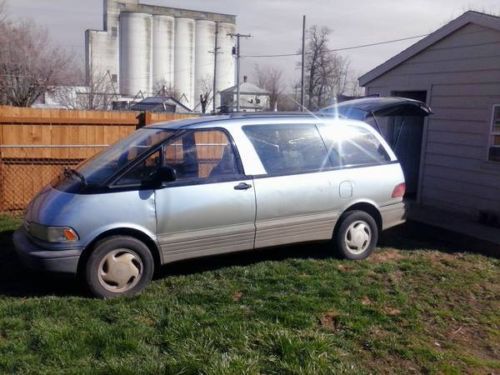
35	257
393	215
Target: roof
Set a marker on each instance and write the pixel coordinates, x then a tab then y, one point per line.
482	19
256	118
246	88
158	103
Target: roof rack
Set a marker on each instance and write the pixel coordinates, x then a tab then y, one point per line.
272	114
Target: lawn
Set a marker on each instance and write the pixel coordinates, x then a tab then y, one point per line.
415	306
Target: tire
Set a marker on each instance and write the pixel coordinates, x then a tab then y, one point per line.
356	236
118	266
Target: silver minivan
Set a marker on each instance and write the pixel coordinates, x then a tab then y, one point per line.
209	186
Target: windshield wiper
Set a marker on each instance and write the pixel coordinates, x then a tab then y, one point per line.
68	172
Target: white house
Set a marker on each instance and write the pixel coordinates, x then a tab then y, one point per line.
252	98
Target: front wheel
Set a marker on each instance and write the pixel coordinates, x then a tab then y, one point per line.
356	236
119	266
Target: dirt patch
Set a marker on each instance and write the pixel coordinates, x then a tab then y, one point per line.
391	311
330	320
344	268
439	257
396	277
475	341
365	301
237	296
386	256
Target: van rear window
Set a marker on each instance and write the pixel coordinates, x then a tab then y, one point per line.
353	146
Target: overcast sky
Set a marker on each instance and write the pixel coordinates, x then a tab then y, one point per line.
276	25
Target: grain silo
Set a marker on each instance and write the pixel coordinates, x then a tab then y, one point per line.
204	66
135	53
184	60
225	61
144	48
163	52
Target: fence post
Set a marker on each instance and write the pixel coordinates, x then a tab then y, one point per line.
149	118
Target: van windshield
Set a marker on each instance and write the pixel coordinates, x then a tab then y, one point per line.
98	169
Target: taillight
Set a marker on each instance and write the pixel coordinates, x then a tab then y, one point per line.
399	191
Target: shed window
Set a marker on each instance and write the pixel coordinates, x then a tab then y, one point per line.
494	153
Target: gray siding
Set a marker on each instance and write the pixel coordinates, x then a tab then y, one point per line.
461	74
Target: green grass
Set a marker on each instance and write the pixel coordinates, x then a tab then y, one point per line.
414	306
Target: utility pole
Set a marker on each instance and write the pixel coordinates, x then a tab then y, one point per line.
215	52
303	63
238	36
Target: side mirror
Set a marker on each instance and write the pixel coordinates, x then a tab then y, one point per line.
166	174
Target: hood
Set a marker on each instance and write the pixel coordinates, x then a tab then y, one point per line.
360	109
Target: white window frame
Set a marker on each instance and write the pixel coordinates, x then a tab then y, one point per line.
493	133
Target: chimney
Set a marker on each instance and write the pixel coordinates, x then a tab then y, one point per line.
245	79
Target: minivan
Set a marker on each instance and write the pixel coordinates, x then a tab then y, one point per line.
213	185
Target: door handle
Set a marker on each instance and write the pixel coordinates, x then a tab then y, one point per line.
242	186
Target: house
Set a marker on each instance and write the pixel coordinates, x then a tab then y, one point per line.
160	104
252	98
455	151
64	97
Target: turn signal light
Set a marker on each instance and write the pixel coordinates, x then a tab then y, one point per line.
70	234
399	191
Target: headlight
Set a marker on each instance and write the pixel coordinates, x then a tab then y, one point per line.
52	234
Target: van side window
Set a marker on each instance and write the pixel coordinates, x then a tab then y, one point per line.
202	155
353	146
289	149
142	172
197	155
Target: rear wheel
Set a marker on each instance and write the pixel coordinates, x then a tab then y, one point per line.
356	236
119	266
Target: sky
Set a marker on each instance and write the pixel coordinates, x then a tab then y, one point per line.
276	25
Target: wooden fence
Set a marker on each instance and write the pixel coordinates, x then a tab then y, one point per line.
35	144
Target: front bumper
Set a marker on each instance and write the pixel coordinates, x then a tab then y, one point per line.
393	214
35	257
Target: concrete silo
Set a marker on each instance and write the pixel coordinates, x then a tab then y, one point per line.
184	58
225	60
135	53
204	65
163	52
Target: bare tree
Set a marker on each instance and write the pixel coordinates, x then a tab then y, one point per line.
326	71
3	11
270	79
95	92
353	88
206	94
163	88
29	63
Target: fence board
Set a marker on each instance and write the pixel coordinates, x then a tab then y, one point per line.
25	170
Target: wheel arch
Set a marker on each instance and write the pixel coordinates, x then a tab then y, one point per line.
370	208
130	232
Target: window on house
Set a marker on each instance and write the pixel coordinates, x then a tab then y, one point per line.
494	152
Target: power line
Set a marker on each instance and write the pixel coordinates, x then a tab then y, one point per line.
344	48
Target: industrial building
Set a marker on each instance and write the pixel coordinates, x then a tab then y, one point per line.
147	48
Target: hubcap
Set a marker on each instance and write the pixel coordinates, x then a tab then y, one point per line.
120	270
358	237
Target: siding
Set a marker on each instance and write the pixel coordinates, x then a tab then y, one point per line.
462	73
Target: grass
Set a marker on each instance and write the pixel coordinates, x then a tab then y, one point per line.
414	306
